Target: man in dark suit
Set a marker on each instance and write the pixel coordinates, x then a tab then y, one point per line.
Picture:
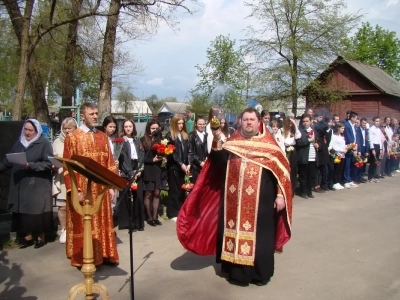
362	148
350	137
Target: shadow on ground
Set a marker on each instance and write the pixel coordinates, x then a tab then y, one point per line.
189	261
11	276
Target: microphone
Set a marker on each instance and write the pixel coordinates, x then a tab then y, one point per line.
155	132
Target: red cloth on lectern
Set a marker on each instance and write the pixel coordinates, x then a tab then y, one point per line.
198	218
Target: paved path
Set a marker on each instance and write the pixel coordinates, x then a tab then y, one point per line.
345	245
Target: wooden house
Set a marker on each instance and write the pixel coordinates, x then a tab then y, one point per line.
368	90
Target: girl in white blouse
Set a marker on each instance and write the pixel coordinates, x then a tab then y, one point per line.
338	147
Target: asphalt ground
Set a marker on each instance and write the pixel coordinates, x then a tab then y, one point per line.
345	245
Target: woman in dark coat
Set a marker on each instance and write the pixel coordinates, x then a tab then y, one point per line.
153	174
178	165
131	154
30	185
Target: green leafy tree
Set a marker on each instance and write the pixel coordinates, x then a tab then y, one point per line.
223	77
199	104
294	40
375	46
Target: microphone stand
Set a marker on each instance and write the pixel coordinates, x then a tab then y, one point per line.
130	213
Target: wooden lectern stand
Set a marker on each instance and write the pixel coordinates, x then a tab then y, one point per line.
95	173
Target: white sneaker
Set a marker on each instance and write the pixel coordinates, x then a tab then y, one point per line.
337	186
63	236
353	185
341	187
174	219
398	171
347	185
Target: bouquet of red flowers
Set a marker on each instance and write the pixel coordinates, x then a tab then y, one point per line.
187	186
359	162
164	149
134	186
351	147
393	155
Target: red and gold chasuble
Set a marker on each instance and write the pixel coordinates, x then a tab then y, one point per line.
242	186
96	146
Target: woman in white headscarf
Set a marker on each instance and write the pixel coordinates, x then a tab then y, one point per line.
59	190
30	198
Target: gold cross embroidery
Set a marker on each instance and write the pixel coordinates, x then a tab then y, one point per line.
251	172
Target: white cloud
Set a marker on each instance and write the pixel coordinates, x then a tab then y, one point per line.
392	2
156	81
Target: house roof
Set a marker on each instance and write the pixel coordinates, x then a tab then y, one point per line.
176	107
378	77
133	107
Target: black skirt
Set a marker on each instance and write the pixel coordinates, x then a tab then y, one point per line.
25	223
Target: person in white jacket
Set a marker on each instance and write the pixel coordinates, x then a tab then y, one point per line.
59	191
337	146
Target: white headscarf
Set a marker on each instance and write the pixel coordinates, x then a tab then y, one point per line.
39	131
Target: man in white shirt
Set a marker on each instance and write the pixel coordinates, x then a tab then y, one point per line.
374	148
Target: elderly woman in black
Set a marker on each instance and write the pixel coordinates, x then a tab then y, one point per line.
30	187
131	153
153	181
178	165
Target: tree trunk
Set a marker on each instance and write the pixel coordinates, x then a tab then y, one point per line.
23	66
35	78
107	62
68	84
294	86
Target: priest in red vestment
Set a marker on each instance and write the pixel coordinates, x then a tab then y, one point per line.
90	142
241	206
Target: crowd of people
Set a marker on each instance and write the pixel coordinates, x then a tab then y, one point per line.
320	153
327	154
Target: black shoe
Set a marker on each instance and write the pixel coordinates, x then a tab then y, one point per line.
381	176
324	188
318	191
259	282
331	189
304	196
157	222
152	223
107	262
140	229
310	196
362	180
25	243
236	282
39	244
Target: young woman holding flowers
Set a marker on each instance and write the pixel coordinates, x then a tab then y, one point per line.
177	165
153	179
132	152
337	147
290	133
59	190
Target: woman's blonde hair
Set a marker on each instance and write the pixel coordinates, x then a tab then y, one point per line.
69	122
174	129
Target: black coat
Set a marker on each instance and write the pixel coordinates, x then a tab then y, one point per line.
126	166
198	150
31	189
151	168
302	147
181	153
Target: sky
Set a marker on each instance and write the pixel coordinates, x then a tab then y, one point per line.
169	58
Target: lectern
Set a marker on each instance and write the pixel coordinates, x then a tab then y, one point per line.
95	173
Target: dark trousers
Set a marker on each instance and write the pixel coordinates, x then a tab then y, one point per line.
323	175
176	195
308	177
349	173
195	173
372	161
337	171
330	172
292	157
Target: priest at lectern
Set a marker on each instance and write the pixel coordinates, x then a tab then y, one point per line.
89	142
